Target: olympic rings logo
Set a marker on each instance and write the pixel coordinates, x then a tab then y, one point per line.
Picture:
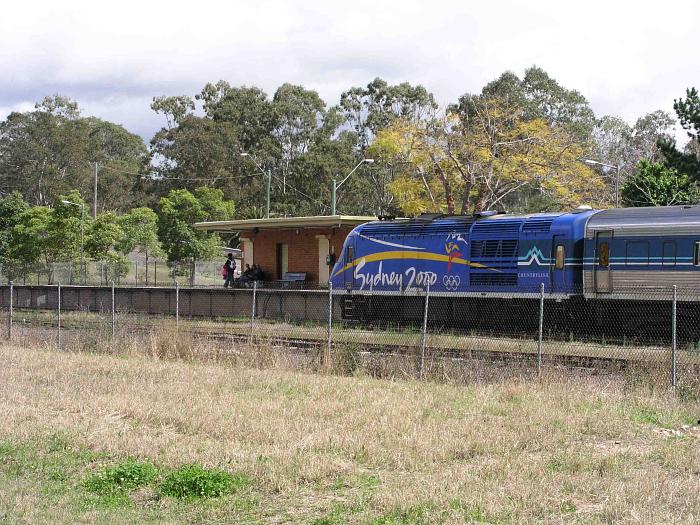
451	282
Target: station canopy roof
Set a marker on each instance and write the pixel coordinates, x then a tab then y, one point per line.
279	223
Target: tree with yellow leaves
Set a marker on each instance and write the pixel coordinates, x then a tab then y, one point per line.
481	155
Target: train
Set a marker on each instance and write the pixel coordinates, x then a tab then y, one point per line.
599	266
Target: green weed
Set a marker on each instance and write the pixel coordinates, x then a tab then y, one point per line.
195	481
122	478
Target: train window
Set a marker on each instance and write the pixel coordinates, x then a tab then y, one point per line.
559	257
604	254
669	253
351	253
637	253
696	254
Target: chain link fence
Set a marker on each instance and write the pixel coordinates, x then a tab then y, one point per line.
121	272
648	337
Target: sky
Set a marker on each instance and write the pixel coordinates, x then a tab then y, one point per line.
627	58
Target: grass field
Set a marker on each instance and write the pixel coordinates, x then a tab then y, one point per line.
322	449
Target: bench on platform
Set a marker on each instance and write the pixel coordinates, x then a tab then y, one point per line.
293	280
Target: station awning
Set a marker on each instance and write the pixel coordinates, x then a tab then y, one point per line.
279	223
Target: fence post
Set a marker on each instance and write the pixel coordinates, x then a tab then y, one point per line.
252	312
424	333
673	338
10	319
177	307
136	273
114	314
58	308
327	359
539	334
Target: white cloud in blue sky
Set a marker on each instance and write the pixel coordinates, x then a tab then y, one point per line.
627	58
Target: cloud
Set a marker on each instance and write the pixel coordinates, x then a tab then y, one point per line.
627	58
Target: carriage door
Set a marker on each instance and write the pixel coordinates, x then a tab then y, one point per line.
349	274
603	272
557	266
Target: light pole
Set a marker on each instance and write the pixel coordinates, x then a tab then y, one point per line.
616	167
94	199
82	237
337	184
269	182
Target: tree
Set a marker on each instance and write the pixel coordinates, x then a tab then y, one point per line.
617	143
685	162
29	242
174	108
102	236
43	236
11	209
293	137
657	185
52	150
247	108
542	97
139	232
374	107
370	109
688	111
196	152
483	154
122	160
179	210
300	115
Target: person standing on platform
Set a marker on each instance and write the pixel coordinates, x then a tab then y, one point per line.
230	267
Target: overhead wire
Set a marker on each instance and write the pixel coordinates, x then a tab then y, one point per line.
165	177
215	179
299	191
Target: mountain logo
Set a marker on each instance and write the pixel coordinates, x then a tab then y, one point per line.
534	255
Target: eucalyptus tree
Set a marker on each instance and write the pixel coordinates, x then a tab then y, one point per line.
370	109
53	149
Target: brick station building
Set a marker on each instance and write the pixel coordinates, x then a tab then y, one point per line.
284	245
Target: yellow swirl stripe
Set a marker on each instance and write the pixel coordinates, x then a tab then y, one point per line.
385	256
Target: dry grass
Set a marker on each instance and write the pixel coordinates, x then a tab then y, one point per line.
327	449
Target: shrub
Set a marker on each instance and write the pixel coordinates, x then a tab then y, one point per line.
194	481
122	478
347	359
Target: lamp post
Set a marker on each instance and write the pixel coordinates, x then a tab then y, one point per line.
615	167
82	237
94	199
269	182
337	184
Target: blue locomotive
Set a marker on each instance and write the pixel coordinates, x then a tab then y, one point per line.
580	255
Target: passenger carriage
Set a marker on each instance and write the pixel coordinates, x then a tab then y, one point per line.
640	253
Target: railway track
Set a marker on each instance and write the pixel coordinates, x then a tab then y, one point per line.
378	349
453	347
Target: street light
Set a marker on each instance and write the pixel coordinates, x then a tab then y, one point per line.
337	185
82	236
616	167
269	182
